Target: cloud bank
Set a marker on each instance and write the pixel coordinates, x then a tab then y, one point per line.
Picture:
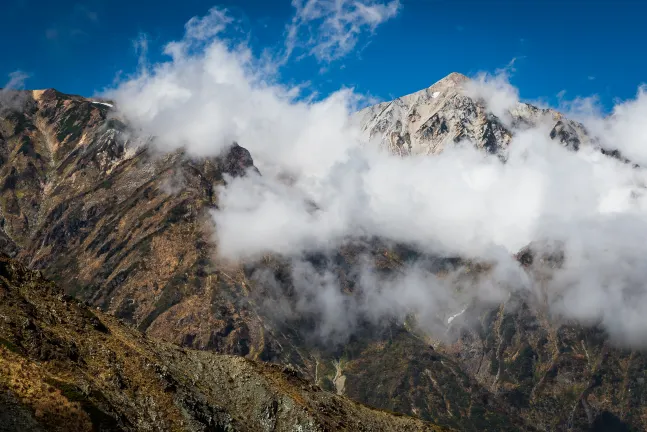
213	91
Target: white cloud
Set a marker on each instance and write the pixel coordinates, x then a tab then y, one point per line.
582	109
10	96
496	91
16	81
624	130
461	202
204	28
330	29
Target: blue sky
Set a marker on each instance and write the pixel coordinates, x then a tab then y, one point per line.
582	47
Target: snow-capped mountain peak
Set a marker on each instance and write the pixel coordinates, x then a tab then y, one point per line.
449	112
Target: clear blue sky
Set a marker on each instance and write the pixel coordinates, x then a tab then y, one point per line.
581	46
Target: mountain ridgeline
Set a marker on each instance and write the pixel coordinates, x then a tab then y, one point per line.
119	227
447	113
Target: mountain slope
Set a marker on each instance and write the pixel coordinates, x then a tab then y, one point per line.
119	225
65	367
128	231
558	375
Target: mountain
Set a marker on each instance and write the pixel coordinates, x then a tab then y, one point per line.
124	229
557	375
448	112
65	367
127	230
120	226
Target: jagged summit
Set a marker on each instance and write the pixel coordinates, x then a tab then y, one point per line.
455	77
447	112
453	81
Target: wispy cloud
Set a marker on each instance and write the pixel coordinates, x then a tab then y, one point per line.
140	45
330	29
580	108
16	80
71	27
10	98
204	28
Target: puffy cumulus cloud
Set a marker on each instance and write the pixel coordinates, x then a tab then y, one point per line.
496	91
332	27
213	91
460	203
603	278
624	130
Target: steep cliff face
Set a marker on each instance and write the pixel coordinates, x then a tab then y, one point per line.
557	374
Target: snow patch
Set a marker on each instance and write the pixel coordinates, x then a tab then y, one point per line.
102	103
451	318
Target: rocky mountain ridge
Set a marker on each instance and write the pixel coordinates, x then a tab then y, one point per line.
451	111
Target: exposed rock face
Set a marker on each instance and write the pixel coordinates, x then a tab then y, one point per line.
120	226
558	377
446	113
64	367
